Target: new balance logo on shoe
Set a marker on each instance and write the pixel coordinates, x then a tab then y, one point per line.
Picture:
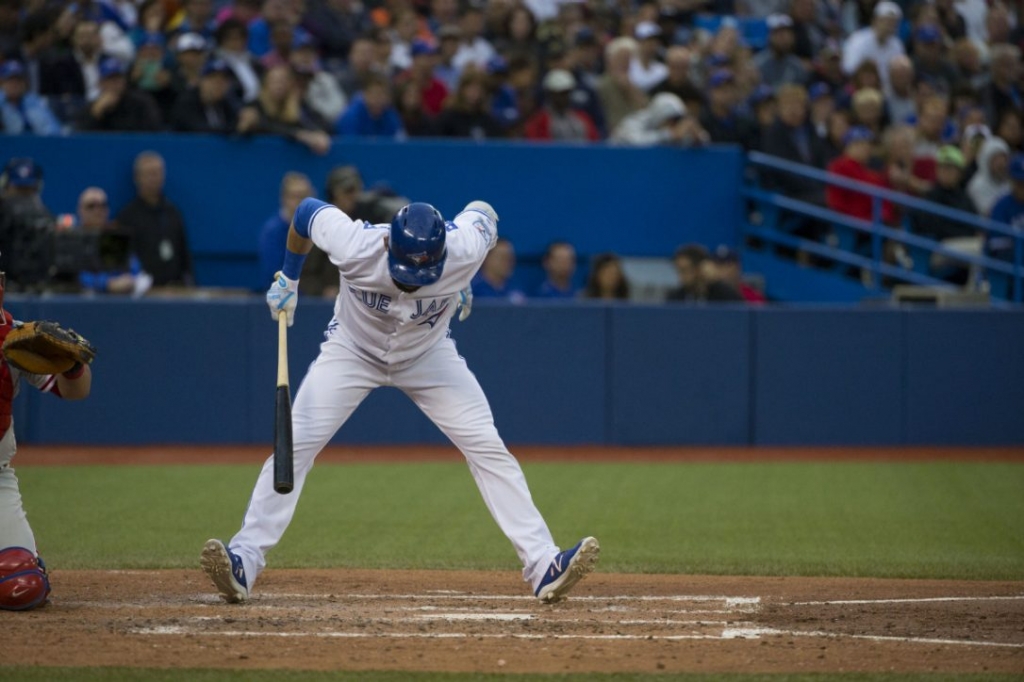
567	569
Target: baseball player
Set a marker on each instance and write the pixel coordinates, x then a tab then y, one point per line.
400	286
24	583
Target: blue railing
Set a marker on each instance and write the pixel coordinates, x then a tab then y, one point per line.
1005	279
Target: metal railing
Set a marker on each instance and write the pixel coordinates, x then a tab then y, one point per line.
1005	279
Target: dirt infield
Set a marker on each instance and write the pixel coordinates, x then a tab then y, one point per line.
487	622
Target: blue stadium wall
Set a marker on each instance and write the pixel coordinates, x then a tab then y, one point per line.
636	202
202	372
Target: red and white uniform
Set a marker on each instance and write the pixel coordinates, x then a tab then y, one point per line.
14	528
381	336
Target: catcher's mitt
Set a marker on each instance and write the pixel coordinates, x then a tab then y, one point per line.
46	348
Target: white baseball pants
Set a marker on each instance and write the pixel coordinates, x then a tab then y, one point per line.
441	384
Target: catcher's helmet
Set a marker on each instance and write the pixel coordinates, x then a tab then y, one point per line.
416	248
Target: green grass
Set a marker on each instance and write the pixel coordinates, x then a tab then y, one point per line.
37	674
931	520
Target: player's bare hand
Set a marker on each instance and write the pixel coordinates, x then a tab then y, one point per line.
283	296
317	141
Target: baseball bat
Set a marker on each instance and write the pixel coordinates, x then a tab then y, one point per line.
284	471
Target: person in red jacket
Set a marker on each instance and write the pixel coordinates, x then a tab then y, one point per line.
558	121
852	164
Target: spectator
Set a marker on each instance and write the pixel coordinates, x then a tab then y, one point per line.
645	71
607	280
990	181
557	121
929	58
72	78
618	95
278	111
156	226
26	226
721	118
404	30
336	25
904	170
361	66
827	67
792	138
475	50
559	265
409	104
584	98
495	278
449	38
725	268
1003	92
839	123
809	35
371	113
112	269
949	192
877	43
23	112
1010	128
294	188
679	61
196	17
763	108
899	98
950	21
932	126
869	110
520	39
694	286
853	164
504	98
150	74
207	109
319	275
232	37
37	40
1008	210
118	108
665	121
432	90
822	105
322	96
777	63
152	17
968	64
467	112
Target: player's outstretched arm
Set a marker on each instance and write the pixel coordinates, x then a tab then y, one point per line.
76	383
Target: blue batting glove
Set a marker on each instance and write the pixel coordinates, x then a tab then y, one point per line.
283	295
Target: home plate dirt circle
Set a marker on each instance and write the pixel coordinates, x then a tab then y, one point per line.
488	622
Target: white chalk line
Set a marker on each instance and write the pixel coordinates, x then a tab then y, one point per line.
908	600
757	632
454	617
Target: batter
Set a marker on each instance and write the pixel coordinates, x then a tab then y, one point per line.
401	284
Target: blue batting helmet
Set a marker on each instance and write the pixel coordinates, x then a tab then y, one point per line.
416	249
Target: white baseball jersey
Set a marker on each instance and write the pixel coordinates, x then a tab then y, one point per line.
382	336
378	318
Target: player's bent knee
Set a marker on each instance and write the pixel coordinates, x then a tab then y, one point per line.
23	581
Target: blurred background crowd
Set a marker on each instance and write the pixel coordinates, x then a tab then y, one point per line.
923	97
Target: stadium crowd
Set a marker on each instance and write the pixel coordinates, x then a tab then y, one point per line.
923	97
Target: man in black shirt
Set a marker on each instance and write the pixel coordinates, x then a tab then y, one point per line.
119	108
156	227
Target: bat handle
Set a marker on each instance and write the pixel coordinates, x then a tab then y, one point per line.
282	349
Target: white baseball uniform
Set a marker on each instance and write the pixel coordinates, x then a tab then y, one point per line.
381	336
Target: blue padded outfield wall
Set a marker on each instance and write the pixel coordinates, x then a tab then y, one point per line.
203	372
636	202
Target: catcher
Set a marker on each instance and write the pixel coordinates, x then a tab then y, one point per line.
54	360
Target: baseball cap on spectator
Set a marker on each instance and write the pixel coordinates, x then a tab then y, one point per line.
927	33
858	134
762	93
950	156
303	39
584	36
724	254
777	21
23	172
110	67
976	129
422	47
887	8
646	29
497	64
190	41
1017	167
216	65
12	68
819	90
719	78
559	80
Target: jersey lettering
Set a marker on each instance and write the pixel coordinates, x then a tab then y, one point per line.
372	299
432	313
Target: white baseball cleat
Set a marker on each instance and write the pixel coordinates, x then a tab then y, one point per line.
567	569
225	570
